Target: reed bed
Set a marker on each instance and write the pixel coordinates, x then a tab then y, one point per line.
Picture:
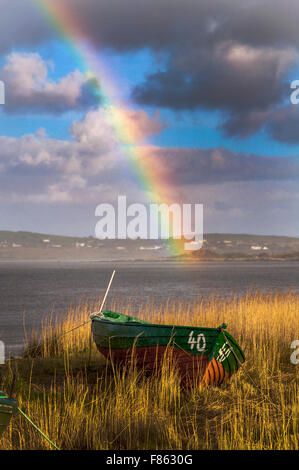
82	402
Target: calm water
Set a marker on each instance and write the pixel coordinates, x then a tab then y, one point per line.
31	290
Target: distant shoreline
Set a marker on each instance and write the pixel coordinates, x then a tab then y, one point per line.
36	254
227	247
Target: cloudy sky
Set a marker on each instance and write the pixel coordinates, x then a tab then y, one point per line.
204	83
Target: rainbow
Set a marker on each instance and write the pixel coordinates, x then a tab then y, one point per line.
148	170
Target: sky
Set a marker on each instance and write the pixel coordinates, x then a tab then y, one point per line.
198	90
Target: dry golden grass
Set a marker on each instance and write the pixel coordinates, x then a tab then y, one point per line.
81	403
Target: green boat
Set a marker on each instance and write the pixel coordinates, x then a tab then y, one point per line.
8	407
210	354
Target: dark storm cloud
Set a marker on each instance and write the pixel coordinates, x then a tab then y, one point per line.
198	166
222	54
22	23
283	125
244	124
122	24
167	23
230	78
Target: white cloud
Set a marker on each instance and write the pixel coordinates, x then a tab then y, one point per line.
29	88
116	123
36	168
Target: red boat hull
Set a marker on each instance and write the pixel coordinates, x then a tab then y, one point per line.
191	368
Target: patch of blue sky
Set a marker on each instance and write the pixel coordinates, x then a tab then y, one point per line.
129	69
126	69
200	130
187	129
57	127
63	58
261	144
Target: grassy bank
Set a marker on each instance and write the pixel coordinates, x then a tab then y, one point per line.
80	402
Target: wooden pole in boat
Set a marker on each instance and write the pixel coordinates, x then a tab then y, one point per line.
105	296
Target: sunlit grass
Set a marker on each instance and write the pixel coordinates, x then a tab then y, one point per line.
80	402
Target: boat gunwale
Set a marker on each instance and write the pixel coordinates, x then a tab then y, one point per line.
155	325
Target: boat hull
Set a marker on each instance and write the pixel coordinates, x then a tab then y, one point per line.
8	407
206	355
151	359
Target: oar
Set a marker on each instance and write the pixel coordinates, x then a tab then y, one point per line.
104	299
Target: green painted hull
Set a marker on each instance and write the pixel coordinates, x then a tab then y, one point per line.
209	352
8	407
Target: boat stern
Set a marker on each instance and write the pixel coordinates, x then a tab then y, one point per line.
227	357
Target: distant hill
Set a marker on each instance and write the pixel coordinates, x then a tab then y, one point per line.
29	245
250	244
208	255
